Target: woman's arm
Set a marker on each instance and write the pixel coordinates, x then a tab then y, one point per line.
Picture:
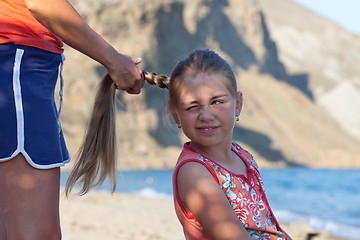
62	19
202	196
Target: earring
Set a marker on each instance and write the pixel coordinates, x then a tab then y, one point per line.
237	118
179	125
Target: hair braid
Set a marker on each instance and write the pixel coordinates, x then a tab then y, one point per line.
152	78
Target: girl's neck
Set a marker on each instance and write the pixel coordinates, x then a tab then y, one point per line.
223	156
219	154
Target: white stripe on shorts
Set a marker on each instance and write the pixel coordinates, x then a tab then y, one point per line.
19	109
18	99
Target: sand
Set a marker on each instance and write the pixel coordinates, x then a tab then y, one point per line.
102	215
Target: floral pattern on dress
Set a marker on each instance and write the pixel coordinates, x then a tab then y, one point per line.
256	205
245	194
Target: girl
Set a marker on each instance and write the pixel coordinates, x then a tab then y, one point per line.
32	146
218	192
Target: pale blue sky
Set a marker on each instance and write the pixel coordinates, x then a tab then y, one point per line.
344	12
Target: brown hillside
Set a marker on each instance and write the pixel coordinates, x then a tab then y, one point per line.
280	124
322	53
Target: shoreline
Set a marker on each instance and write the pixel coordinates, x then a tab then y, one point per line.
102	215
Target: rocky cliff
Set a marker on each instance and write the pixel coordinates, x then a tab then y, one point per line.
284	121
325	54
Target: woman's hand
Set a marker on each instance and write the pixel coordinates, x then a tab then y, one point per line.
126	75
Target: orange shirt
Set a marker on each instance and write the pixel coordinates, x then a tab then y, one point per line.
18	26
245	194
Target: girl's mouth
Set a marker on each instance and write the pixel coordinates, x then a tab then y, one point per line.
207	129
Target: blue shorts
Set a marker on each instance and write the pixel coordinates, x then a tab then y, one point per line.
29	119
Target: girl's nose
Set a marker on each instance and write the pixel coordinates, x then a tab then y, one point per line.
206	114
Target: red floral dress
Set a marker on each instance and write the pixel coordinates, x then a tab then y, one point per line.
245	194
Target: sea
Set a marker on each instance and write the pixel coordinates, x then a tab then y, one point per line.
326	199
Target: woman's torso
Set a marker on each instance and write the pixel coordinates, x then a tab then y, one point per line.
19	27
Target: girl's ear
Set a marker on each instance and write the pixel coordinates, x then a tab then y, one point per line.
239	103
175	116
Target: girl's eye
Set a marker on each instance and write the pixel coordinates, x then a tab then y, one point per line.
216	102
191	107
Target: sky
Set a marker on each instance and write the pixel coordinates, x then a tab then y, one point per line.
343	12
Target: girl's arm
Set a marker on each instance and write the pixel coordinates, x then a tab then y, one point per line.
201	196
63	20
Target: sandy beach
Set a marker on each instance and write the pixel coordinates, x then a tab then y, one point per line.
102	215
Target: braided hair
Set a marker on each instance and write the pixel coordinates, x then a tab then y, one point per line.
152	78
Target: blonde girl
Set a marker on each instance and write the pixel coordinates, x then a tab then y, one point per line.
218	191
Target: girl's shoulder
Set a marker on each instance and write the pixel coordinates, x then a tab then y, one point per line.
190	155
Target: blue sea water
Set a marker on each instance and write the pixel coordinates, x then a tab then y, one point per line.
326	199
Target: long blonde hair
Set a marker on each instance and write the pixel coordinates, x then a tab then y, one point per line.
97	156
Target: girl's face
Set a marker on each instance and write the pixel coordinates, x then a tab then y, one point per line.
207	110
